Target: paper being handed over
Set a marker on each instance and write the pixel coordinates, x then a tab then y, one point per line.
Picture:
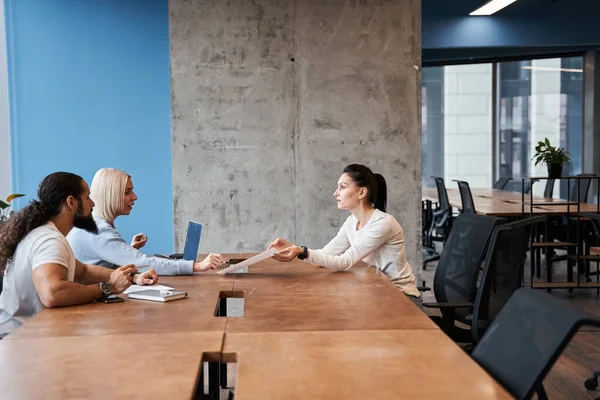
252	260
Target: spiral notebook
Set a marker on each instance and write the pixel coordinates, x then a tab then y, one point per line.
157	295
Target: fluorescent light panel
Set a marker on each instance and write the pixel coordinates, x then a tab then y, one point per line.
534	68
492	7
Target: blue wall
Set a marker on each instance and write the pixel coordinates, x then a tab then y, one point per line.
89	87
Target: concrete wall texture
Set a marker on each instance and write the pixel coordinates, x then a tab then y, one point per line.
271	99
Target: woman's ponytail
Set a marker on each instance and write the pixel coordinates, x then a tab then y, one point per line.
381	198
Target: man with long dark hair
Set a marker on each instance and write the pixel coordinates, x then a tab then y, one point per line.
39	267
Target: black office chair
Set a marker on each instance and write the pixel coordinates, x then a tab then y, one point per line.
502	182
502	272
549	189
468	205
593	238
455	279
517	186
560	225
526	339
580	188
441	221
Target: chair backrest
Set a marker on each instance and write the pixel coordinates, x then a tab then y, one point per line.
518	186
584	186
442	193
502	271
501	183
549	189
526	338
468	206
456	273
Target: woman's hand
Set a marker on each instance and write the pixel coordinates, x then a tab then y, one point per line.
280	244
212	261
139	241
288	254
149	277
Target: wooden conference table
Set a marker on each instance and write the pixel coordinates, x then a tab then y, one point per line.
306	332
504	203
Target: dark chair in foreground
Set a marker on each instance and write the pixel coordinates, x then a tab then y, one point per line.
502	272
466	197
526	339
455	279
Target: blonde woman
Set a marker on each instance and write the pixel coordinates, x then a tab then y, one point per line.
113	195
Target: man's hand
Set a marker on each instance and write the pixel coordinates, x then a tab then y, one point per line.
288	254
212	261
149	277
139	241
120	279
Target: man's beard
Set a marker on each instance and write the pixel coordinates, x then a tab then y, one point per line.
86	223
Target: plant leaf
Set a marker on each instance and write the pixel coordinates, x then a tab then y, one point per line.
14	196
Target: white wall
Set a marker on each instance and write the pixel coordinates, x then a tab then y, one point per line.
468	124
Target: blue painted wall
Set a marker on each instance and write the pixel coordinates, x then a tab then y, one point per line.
89	87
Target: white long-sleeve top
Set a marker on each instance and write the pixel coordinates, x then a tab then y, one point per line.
379	243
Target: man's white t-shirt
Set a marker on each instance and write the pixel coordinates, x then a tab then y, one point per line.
19	299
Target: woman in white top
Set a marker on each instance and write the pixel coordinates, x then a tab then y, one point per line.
369	233
112	192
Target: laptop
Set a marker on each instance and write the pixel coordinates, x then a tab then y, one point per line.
192	243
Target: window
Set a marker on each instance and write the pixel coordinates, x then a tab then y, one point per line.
539	99
457	124
536	99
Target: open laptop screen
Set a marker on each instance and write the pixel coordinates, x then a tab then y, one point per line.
192	241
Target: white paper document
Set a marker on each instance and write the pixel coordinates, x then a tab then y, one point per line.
252	260
136	288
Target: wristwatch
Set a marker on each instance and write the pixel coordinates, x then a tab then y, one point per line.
304	253
106	289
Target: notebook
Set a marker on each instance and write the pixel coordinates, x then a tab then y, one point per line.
157	295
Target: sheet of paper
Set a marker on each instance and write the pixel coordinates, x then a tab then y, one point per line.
136	288
252	260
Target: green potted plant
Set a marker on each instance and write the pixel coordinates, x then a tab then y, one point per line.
553	157
5	206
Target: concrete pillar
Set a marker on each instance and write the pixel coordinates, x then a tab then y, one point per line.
271	99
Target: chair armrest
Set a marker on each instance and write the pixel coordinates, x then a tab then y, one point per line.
455	304
480	324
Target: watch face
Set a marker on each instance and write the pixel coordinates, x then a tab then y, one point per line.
105	287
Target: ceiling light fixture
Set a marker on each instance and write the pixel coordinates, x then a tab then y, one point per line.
492	7
555	69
